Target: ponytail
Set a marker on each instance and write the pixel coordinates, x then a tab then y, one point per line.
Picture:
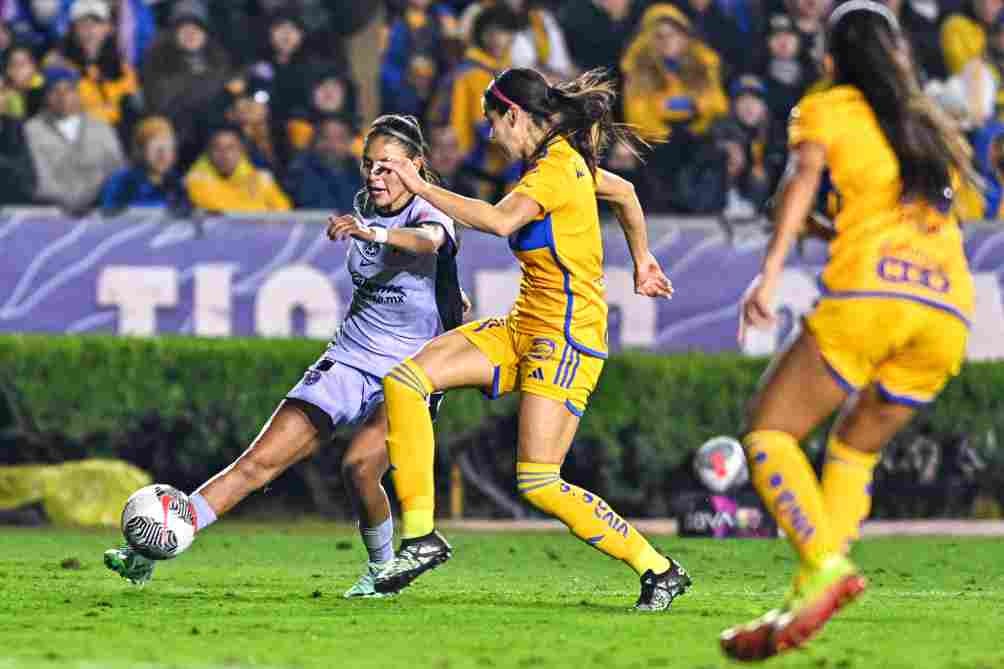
580	111
865	42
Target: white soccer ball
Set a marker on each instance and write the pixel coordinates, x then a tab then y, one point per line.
720	464
158	521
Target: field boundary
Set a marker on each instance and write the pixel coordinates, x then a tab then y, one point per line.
667	526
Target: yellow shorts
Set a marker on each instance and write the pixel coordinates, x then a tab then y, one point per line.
536	364
909	350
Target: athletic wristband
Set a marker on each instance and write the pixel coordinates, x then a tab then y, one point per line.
380	235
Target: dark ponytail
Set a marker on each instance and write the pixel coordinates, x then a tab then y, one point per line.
580	111
865	43
407	132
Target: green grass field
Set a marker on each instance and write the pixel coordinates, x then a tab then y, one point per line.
264	596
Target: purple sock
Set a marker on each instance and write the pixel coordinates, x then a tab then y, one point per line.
204	514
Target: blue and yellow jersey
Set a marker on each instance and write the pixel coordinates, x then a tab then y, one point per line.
884	247
561	254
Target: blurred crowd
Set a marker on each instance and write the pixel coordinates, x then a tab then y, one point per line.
252	105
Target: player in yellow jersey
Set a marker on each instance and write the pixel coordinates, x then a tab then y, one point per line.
552	345
890	328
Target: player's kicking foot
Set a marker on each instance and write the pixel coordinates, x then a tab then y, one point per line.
836	584
366	585
129	564
659	590
414	558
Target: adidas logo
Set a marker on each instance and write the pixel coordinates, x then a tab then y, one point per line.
579	173
537	374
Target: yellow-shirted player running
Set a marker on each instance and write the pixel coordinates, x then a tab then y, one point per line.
552	346
890	328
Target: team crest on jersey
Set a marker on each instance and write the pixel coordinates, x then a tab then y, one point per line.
542	349
311	377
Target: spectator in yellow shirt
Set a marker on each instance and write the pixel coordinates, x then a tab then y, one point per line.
964	35
671	79
108	84
224	180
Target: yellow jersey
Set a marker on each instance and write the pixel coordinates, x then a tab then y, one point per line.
884	247
561	254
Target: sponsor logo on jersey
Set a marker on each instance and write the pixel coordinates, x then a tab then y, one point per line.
368	290
541	348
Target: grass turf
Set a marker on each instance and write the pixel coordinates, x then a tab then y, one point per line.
270	596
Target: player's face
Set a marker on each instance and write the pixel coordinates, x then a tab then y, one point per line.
385	189
507	131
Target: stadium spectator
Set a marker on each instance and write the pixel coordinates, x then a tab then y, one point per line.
153	180
785	73
246	106
285	71
72	153
808	17
598	30
447	161
460	104
16	172
329	93
964	34
38	23
720	32
748	129
988	204
184	74
539	41
921	22
24	83
224	180
671	79
108	84
415	57
327	175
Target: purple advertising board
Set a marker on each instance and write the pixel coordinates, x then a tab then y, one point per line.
143	274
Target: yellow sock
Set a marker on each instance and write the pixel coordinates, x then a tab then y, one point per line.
847	495
411	446
587	516
788	486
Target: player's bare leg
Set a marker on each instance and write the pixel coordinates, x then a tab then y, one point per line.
363	467
286	438
783	413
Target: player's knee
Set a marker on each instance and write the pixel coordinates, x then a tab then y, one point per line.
364	469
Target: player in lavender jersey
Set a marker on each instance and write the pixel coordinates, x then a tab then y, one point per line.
401	259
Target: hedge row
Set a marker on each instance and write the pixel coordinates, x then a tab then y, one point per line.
108	395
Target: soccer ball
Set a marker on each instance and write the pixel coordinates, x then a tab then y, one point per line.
158	522
720	464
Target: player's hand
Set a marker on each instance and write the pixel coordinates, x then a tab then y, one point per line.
756	310
406	170
466	301
342	227
650	280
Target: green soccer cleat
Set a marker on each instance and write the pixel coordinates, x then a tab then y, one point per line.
818	597
365	587
130	565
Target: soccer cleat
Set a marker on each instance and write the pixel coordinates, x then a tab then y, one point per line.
364	587
414	558
659	590
130	565
820	596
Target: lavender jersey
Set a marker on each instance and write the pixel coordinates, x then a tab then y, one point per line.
401	300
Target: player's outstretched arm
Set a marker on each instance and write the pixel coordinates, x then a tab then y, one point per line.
421	240
502	219
795	199
649	278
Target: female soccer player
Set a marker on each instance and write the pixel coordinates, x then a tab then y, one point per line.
890	327
553	344
401	260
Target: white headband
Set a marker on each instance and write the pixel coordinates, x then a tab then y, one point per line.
863	6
